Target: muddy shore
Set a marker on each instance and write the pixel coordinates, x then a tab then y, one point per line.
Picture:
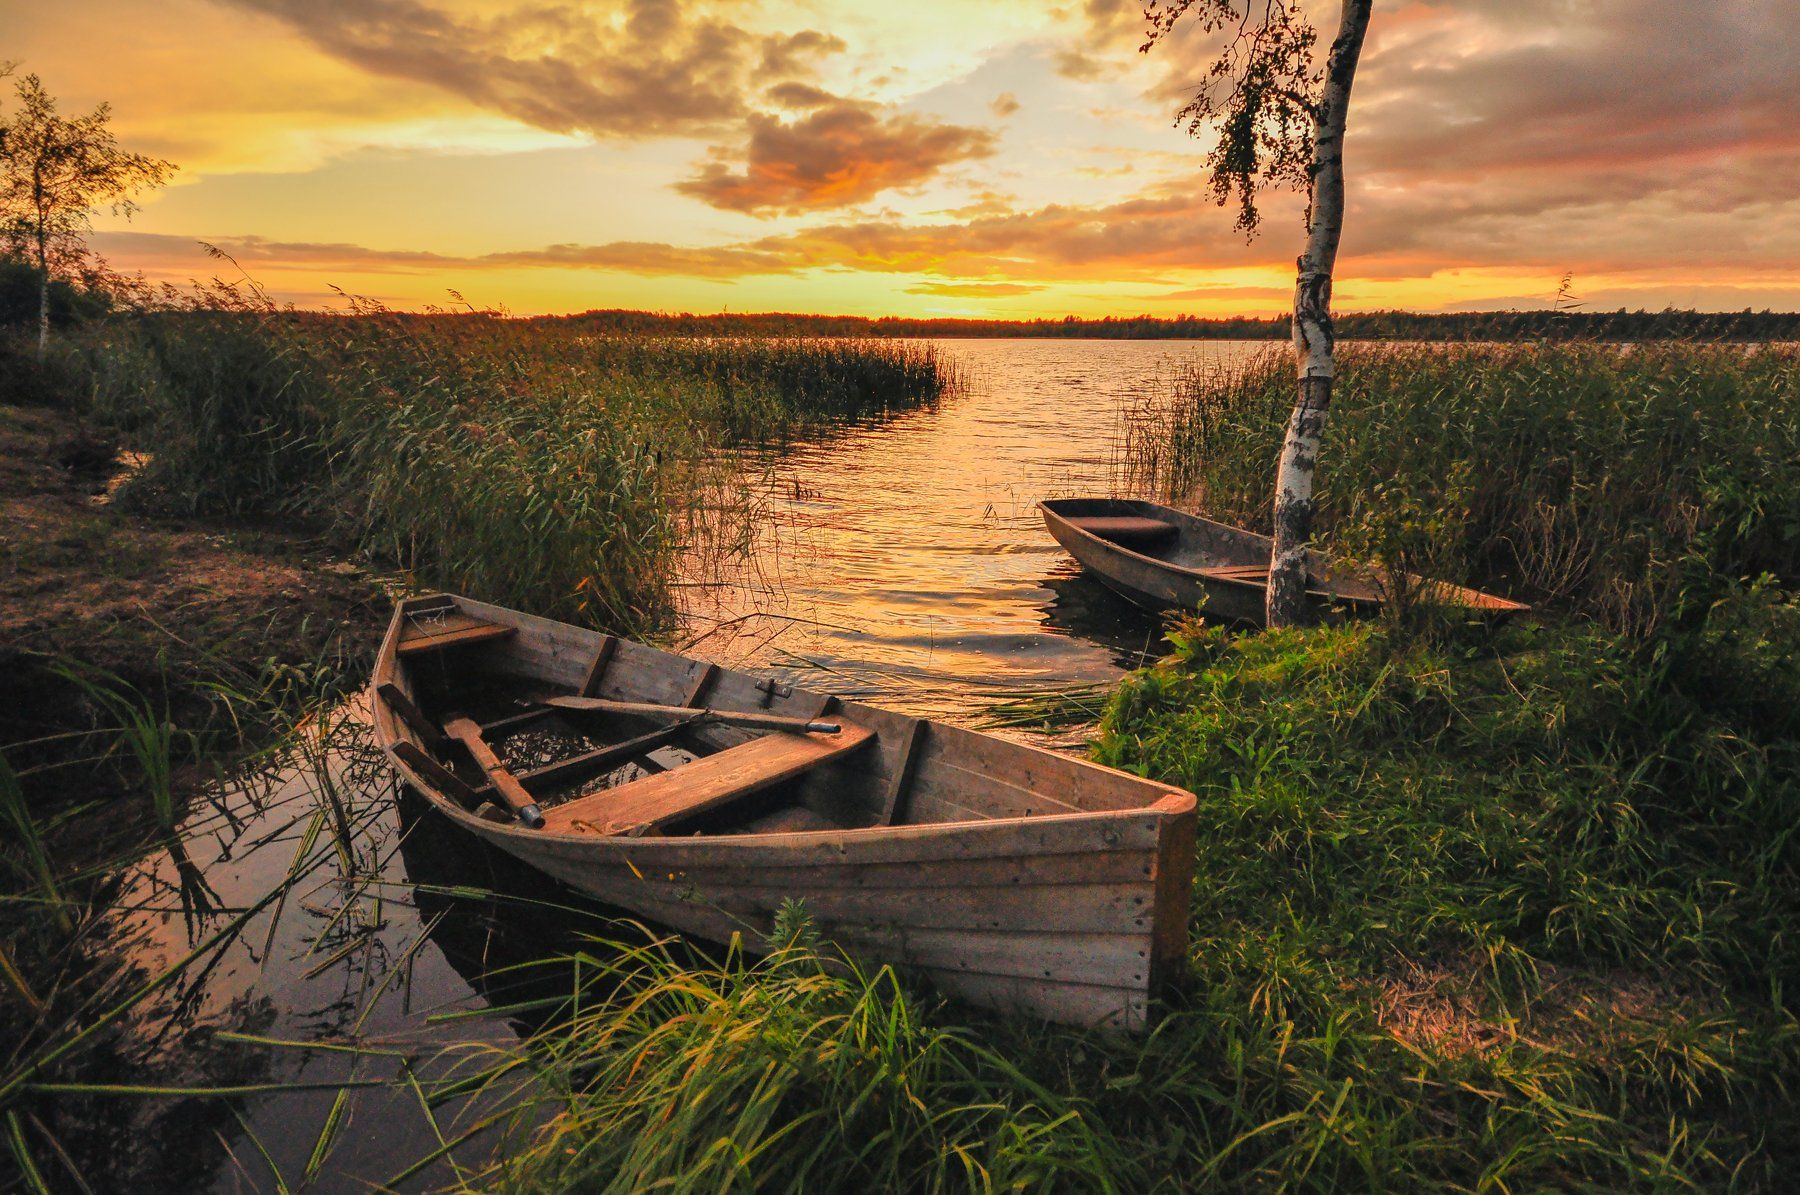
166	604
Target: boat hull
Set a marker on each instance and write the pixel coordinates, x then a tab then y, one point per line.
1151	585
1177	574
1025	881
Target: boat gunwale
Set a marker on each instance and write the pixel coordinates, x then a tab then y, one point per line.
389	730
1490	603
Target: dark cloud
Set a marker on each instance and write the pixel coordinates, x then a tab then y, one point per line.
655	69
1616	134
1573	84
798	95
1080	66
841	153
791	53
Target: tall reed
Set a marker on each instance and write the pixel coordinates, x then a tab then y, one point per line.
25	846
529	465
1579	474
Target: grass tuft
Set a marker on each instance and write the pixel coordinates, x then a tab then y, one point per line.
798	1069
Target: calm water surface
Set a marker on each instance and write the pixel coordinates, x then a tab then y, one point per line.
905	559
900	559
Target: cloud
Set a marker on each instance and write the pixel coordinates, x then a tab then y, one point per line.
653	69
1285	294
1004	104
973	290
794	94
786	55
843	152
1080	67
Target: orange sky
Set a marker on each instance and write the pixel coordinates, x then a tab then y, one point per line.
940	157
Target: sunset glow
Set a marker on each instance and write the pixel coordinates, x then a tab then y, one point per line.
1000	159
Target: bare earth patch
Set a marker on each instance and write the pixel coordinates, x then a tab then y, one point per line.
160	602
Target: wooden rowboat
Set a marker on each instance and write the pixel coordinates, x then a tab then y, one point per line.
695	796
1163	558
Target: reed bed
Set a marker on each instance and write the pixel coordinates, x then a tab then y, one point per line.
1591	477
533	466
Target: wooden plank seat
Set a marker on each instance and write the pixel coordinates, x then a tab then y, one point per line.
433	630
651	802
1127	529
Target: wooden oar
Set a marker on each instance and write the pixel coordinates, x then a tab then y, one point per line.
524	806
748	720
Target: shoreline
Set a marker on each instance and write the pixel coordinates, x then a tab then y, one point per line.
166	604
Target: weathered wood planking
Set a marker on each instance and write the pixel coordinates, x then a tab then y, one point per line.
654	801
1218	569
1009	876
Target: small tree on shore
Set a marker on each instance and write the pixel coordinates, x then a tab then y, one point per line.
1281	123
54	172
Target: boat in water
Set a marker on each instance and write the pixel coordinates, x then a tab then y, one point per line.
704	798
1163	558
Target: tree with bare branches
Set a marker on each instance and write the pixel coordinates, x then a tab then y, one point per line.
1280	122
55	171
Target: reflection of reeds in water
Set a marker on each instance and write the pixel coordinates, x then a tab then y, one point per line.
97	1000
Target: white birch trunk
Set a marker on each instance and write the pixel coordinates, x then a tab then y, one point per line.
43	315
1313	337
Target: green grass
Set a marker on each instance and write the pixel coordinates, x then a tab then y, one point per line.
529	465
1472	911
798	1071
1579	475
1540	889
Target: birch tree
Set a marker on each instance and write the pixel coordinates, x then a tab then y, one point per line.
1280	122
55	171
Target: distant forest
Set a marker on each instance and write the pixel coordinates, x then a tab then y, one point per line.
1373	325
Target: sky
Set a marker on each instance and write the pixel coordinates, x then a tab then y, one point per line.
985	158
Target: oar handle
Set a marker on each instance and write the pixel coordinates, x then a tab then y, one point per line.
747	719
524	806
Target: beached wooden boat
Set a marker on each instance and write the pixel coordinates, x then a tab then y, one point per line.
692	795
1163	558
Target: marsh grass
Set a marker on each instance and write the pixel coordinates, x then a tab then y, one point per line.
797	1070
1578	475
1501	910
143	729
530	465
82	1060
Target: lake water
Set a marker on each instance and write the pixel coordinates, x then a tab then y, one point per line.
902	559
905	560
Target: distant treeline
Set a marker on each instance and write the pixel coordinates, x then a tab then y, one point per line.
1373	325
